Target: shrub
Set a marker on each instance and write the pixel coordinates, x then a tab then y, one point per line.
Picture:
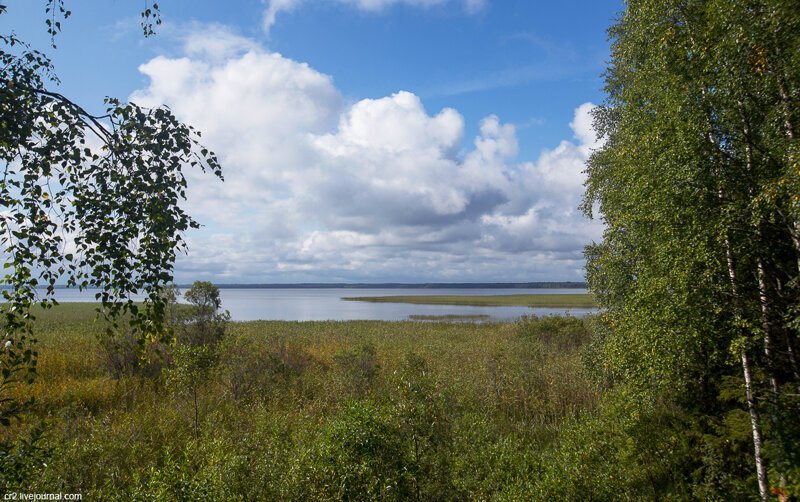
358	367
425	422
203	323
561	333
635	448
359	456
122	355
179	477
248	366
22	461
189	374
244	366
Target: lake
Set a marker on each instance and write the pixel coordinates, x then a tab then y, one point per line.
298	304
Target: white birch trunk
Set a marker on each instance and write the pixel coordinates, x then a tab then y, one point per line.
755	419
755	424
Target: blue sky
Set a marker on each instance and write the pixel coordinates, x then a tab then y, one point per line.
363	140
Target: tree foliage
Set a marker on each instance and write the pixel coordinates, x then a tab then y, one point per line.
204	323
697	183
90	201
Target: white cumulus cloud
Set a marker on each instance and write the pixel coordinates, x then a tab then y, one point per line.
379	189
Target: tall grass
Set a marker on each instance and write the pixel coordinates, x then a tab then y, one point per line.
309	410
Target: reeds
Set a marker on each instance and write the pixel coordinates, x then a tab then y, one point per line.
264	419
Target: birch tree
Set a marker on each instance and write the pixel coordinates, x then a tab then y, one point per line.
88	200
697	185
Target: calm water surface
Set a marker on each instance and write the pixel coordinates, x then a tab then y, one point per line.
326	304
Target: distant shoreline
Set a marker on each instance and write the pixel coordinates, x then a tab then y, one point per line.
394	285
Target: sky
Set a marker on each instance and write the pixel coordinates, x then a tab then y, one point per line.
362	140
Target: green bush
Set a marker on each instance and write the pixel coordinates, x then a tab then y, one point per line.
358	368
634	448
424	417
124	355
202	323
179	477
562	333
23	460
359	456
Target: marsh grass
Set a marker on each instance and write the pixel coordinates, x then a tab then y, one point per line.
447	410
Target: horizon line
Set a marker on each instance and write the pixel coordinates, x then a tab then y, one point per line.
385	285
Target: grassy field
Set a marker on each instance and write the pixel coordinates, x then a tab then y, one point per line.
553	301
301	411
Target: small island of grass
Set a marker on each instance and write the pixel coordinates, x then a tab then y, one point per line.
568	300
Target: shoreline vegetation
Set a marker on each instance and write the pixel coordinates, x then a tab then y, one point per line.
578	300
316	410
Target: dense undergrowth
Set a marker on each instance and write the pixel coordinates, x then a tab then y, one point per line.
357	410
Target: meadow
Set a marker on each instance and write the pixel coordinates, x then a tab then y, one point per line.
348	410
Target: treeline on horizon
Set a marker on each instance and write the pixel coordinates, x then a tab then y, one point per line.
411	285
394	285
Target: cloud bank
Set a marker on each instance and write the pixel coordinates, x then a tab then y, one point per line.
318	189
